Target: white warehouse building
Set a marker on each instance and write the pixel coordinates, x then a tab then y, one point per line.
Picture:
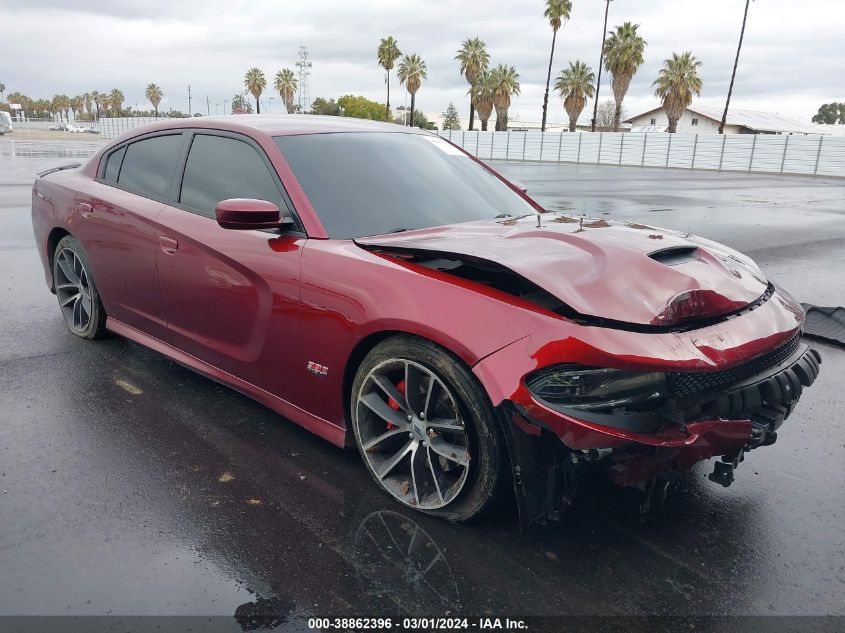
702	120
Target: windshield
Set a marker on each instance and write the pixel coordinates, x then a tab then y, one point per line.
369	183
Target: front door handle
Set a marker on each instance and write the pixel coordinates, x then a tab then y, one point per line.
168	245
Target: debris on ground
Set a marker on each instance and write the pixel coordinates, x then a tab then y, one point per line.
825	323
128	386
226	477
254	502
404	487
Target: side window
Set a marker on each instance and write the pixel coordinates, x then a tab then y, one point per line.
148	165
113	164
219	168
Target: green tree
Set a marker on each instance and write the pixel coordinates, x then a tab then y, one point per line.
2	90
255	82
676	84
830	114
241	105
451	120
412	72
154	95
388	52
286	85
419	120
575	85
557	13
504	84
736	63
474	59
322	106
623	55
481	94
116	100
360	108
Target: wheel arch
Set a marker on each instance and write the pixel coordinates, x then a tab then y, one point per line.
53	238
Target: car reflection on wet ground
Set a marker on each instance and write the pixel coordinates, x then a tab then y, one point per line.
131	485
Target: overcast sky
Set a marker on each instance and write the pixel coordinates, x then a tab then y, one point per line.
791	59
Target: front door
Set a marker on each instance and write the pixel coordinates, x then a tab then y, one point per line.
230	297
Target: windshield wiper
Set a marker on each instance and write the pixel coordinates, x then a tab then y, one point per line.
502	216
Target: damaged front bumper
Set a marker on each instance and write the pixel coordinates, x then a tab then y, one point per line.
724	414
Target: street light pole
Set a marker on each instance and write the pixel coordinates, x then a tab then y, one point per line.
601	61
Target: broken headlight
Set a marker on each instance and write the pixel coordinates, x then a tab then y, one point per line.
594	388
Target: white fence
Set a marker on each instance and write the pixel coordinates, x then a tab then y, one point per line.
107	128
814	155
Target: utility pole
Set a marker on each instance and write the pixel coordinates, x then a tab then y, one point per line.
207	105
601	62
189	100
303	71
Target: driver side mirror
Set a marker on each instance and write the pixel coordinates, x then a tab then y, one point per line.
246	213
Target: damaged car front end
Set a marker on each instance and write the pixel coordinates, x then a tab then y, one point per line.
651	360
646	419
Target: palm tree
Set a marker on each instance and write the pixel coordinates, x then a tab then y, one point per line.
116	100
2	91
97	98
557	12
388	53
474	60
75	106
733	74
412	72
481	96
153	94
286	85
255	82
86	101
504	83
623	55
575	85
677	82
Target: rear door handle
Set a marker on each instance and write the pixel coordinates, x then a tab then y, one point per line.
168	245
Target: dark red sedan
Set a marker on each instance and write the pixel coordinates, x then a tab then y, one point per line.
382	288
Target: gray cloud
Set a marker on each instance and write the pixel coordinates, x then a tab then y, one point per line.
73	46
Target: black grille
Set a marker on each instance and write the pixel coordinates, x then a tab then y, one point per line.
690	383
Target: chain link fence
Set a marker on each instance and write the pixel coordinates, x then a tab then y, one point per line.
766	153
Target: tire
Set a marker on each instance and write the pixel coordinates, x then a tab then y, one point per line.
458	466
79	300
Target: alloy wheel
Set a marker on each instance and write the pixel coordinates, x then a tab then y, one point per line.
73	290
411	433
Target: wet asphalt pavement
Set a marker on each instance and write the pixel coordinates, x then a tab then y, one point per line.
130	485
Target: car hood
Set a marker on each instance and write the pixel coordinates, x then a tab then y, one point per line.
628	273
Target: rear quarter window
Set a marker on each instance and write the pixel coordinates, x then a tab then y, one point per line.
113	162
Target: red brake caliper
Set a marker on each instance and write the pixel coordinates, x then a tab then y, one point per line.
400	387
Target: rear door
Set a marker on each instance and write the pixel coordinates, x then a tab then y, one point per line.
117	215
231	297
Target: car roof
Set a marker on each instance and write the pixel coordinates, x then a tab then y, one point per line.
281	124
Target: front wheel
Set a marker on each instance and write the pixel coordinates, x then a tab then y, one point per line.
76	291
427	431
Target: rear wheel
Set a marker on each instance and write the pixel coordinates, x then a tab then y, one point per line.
76	291
426	429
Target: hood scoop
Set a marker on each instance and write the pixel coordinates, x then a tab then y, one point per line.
675	255
607	274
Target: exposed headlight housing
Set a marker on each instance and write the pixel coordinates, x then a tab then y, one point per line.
598	389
